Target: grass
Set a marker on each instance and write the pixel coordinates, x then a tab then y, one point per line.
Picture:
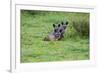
35	25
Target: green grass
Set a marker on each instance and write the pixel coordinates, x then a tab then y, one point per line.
35	25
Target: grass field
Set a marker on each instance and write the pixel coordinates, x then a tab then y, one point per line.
35	25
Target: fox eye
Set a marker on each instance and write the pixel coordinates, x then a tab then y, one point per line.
55	30
60	30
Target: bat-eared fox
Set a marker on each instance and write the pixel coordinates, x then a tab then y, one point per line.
58	32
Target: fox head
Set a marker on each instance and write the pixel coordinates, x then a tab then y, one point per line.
64	24
59	29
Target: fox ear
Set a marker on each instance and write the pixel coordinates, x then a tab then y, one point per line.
62	23
54	25
67	23
58	25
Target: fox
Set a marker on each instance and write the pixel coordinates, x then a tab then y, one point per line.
62	28
58	32
55	35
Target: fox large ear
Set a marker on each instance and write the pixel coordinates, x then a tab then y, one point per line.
67	23
58	25
62	23
54	25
